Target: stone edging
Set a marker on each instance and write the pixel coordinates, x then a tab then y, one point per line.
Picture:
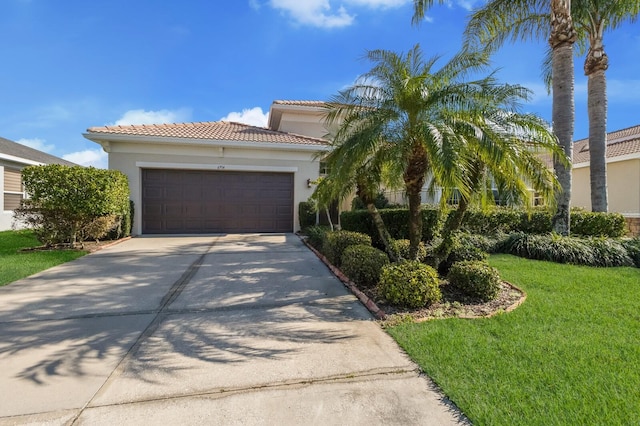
364	299
111	244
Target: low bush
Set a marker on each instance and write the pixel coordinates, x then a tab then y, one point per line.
578	251
592	224
463	249
396	222
363	263
633	249
609	252
315	235
335	243
475	279
401	248
306	214
410	283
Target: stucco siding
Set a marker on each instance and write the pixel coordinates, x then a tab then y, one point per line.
132	158
581	188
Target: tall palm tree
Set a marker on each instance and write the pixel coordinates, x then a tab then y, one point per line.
592	18
499	20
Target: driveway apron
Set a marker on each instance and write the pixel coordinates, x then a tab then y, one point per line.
233	329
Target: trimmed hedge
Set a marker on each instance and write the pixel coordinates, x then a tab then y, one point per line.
538	221
315	235
363	264
410	283
396	221
401	247
336	242
306	214
475	279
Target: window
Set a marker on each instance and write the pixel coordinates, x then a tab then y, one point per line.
13	192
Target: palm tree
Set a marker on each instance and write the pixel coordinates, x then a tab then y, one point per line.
592	18
404	108
499	20
418	120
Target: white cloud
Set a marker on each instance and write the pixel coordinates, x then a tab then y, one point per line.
89	157
36	143
254	117
316	13
140	116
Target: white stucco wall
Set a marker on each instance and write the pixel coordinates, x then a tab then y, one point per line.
131	158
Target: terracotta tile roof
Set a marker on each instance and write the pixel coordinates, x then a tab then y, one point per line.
318	104
212	130
22	151
620	142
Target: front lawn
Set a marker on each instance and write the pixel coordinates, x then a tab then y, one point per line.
15	264
569	355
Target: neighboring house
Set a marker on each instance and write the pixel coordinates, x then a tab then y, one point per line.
13	158
217	177
623	175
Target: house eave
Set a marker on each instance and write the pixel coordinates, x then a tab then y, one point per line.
627	157
105	139
20	160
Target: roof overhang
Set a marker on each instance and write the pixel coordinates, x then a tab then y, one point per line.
20	160
634	156
105	139
277	109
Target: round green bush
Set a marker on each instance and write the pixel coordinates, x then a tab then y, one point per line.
410	283
475	279
362	264
401	247
335	243
315	235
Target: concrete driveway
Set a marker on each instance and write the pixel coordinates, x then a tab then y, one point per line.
239	329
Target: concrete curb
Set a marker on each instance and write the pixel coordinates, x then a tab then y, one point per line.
364	299
111	244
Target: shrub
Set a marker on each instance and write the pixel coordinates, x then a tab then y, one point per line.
124	224
306	214
410	283
396	221
363	263
609	252
67	204
597	224
335	243
381	202
462	249
401	247
633	249
315	235
475	279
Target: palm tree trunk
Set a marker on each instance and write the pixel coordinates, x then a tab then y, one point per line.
595	66
414	177
385	237
561	40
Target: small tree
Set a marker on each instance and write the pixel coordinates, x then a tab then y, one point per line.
70	204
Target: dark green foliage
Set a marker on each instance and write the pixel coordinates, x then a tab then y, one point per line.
336	242
577	251
609	252
363	263
401	247
315	235
633	249
475	279
396	221
462	249
67	204
483	242
538	221
597	224
306	214
410	283
381	202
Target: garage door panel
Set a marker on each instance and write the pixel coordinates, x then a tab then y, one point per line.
198	201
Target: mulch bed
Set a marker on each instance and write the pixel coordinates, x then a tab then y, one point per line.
453	304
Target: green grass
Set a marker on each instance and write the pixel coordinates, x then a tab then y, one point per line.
569	355
15	264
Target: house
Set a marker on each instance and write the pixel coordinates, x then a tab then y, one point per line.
13	158
623	175
219	177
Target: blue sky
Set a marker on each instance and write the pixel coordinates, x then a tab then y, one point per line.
72	64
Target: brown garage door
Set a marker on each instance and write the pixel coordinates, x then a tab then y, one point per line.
203	201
